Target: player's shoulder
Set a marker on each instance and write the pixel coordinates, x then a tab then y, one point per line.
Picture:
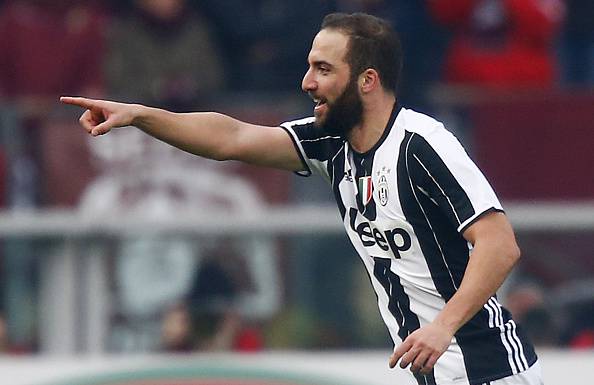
306	130
303	129
419	123
309	121
424	129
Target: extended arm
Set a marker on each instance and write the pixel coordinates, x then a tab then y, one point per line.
494	254
207	134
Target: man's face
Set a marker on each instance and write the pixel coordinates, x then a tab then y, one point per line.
329	82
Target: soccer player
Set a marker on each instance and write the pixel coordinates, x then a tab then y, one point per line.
423	218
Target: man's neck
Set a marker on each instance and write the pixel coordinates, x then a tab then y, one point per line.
376	114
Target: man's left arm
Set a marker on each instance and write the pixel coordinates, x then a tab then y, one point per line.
494	254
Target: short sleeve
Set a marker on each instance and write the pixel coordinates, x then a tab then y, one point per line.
440	168
315	147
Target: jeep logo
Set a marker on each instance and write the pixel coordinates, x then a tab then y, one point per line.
396	240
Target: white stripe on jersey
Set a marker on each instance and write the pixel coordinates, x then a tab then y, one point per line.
322	138
498	321
510	327
519	343
509	336
491	315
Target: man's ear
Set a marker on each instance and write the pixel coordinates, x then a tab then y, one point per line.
369	80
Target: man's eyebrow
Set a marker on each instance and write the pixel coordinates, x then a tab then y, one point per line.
318	63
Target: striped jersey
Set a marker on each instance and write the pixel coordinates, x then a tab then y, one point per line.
405	204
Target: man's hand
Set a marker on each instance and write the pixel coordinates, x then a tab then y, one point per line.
101	115
422	348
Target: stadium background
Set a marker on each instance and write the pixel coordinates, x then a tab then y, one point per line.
122	246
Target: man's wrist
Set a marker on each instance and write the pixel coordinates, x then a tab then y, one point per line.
140	115
449	320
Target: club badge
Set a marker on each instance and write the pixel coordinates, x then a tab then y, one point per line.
382	186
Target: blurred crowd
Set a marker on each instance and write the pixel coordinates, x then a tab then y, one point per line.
185	55
192	55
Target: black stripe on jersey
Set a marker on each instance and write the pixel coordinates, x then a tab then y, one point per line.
317	144
434	178
335	169
307	171
399	303
446	254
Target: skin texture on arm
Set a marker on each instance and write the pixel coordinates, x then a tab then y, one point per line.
207	134
494	254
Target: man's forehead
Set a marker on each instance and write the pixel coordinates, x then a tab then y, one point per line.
329	46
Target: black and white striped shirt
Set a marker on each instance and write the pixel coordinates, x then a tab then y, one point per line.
405	204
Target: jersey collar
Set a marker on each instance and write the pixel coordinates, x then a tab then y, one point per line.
395	110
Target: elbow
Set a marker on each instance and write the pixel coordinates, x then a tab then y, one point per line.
513	253
227	145
220	155
517	253
227	152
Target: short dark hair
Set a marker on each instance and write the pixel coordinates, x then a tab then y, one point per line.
373	43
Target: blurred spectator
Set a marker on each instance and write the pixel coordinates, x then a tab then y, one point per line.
577	44
48	48
208	319
176	330
55	48
577	307
213	300
267	46
526	302
583	340
501	43
162	53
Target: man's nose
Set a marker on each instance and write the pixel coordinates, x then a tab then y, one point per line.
308	83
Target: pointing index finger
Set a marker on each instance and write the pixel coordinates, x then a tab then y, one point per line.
78	101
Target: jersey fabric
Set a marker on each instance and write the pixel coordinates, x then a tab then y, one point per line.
404	204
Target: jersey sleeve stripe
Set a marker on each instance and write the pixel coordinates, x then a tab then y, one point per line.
467	223
300	152
318	139
520	352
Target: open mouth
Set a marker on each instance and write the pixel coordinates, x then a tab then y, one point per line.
319	103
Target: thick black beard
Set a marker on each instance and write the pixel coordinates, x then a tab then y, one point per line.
344	113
